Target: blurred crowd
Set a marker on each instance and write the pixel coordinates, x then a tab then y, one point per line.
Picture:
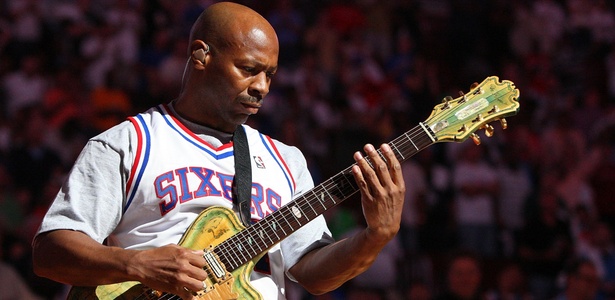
528	214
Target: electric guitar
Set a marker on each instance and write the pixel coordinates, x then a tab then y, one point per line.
232	250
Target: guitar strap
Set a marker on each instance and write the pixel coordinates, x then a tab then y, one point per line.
242	183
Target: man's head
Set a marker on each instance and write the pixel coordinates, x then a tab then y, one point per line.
233	54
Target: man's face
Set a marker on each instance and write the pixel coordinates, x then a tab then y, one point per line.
240	77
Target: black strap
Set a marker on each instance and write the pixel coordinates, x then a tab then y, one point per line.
242	183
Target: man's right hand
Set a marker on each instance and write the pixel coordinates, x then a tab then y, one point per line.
171	268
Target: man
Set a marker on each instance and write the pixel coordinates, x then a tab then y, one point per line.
137	187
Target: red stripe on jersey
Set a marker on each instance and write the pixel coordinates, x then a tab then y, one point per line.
281	160
135	163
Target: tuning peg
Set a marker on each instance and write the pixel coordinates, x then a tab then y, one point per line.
504	123
488	130
463	128
475	138
446	100
463	97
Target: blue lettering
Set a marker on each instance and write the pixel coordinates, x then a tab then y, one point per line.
226	182
257	200
274	201
206	188
183	183
169	190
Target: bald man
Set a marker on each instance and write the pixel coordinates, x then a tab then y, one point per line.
136	189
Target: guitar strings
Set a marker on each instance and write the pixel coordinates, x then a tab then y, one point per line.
306	206
304	203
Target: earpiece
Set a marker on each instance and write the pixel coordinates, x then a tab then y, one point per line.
199	54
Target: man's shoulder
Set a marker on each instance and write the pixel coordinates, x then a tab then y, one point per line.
126	130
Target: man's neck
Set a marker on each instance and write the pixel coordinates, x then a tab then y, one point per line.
200	129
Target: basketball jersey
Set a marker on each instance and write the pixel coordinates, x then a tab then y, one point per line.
176	174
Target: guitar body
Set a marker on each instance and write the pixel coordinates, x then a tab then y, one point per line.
213	226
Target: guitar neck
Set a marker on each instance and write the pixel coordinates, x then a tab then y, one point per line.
254	240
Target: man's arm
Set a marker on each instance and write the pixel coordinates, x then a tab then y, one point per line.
74	258
382	194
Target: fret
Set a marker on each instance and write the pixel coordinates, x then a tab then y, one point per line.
239	248
222	256
413	144
263	233
382	156
272	225
399	154
236	260
276	223
284	213
428	132
228	254
315	212
283	209
408	138
239	253
257	235
337	190
349	182
341	183
320	199
330	197
250	242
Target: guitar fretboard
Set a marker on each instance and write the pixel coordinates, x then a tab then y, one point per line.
254	240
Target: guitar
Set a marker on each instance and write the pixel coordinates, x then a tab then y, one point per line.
232	250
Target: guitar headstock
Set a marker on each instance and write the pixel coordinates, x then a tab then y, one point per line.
457	119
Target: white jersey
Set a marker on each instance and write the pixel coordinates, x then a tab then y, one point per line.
169	174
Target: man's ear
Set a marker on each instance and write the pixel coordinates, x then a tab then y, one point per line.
199	52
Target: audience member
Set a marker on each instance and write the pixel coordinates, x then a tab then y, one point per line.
580	281
544	246
464	276
599	248
476	213
24	87
12	284
510	284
